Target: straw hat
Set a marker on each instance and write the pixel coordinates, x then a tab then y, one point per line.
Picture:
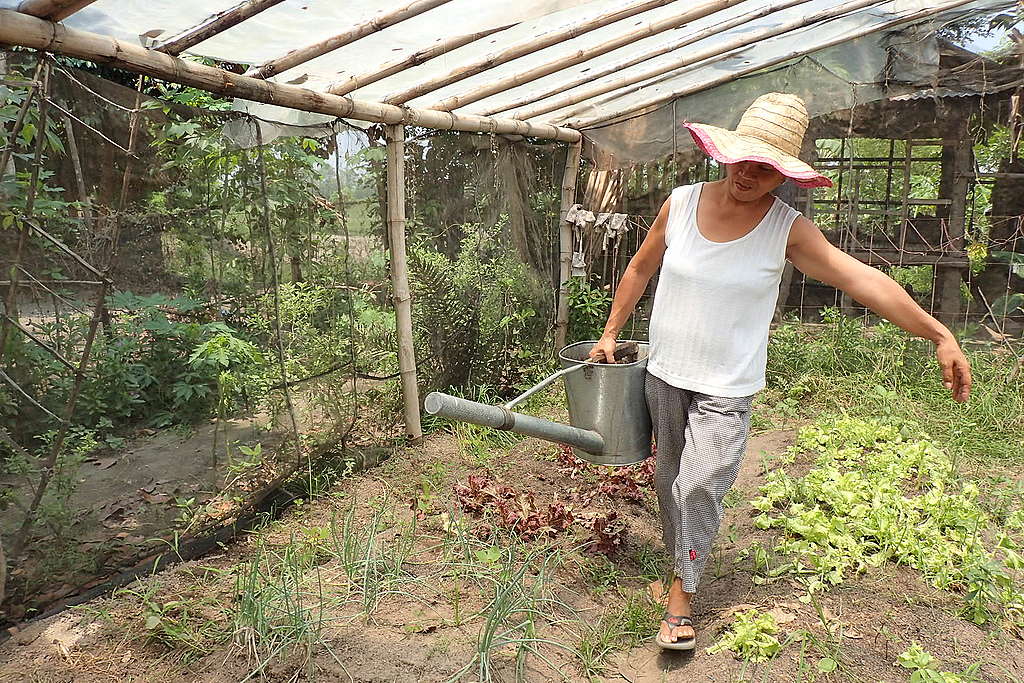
770	131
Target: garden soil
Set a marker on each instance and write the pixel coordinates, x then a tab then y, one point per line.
864	624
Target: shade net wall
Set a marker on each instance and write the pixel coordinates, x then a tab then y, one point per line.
198	317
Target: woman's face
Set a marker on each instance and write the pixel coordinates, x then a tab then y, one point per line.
750	180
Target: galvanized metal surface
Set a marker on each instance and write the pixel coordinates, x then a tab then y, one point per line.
609	399
607	408
499	417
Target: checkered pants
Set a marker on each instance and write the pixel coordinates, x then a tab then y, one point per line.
701	440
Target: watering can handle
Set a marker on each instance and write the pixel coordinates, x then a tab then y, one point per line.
545	382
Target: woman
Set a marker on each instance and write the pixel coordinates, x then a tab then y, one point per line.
721	247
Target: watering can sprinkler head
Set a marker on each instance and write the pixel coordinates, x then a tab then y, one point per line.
610	424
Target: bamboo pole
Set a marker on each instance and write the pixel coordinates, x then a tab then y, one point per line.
569	182
674	21
793	54
593	74
345	86
400	281
378	23
21	29
717	52
76	164
214	25
54	10
524	48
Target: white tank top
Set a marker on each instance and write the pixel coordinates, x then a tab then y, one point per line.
715	301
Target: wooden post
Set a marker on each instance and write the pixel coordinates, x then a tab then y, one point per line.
400	281
949	278
569	180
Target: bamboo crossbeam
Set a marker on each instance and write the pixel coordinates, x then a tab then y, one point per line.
592	75
715	52
347	85
26	31
214	25
758	66
998	176
378	23
525	48
668	23
54	10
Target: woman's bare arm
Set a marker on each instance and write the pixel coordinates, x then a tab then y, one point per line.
816	257
634	281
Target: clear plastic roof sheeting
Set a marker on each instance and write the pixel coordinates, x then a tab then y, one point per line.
853	52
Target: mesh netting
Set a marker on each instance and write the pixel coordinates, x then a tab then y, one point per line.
199	320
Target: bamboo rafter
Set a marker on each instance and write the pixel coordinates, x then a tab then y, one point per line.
214	25
54	10
702	58
593	74
758	66
378	23
652	28
347	85
524	48
26	31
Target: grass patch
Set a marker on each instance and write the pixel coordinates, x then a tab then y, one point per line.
843	367
629	626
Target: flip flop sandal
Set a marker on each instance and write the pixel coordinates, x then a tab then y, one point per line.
675	621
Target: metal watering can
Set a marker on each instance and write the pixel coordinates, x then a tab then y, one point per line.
607	408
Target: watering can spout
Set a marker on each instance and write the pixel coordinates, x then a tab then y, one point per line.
610	424
500	417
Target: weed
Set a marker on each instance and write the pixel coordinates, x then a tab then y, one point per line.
923	666
845	367
191	627
600	573
732	499
751	638
627	627
483	444
279	606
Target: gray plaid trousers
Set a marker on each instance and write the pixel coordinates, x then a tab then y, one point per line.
701	440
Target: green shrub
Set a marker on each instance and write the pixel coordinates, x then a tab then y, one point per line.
476	316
